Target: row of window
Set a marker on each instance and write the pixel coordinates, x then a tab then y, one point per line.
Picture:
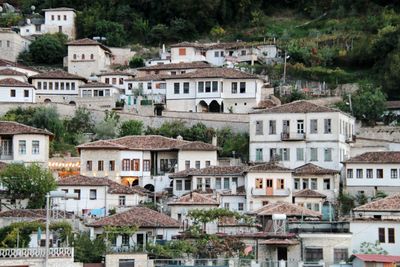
83	57
53	17
114	81
391	239
93	196
220	183
22	147
95	93
369	173
210	87
127	165
7	43
13	93
259	183
300	126
197	164
313	255
56	86
310	183
283	154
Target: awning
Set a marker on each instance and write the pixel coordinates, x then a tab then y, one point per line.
279	242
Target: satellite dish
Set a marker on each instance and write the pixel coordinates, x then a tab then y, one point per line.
33	7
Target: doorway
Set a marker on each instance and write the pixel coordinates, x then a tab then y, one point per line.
282	253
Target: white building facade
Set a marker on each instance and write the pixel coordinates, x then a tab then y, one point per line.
15	91
12	44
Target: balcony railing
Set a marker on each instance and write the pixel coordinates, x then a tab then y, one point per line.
66	252
6	156
125	249
293	136
271	192
319	227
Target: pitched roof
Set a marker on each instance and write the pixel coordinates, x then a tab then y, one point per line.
181	65
226	73
88	41
285	208
300	106
11	72
59	9
212	171
378	258
14	83
151	77
194	198
308	193
12	127
96	85
376	157
113	187
148	142
138	216
311	168
115	73
390	203
57	74
7	63
270	166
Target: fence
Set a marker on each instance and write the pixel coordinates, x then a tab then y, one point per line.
66	252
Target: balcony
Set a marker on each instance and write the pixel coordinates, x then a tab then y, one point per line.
270	192
125	249
319	227
292	136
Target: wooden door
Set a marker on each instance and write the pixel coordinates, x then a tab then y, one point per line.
270	189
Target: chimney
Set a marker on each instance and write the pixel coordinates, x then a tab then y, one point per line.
214	140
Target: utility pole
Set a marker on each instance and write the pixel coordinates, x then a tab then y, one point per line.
284	69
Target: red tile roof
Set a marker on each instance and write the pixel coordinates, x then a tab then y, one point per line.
376	157
96	85
390	203
226	73
175	66
195	198
116	73
310	168
378	258
7	63
14	83
57	74
308	193
87	41
11	72
210	171
300	106
11	127
138	216
289	209
151	77
270	166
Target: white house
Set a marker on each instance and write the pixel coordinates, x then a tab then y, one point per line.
99	90
373	171
87	57
13	74
214	90
12	44
144	160
115	78
301	132
97	196
172	69
377	221
15	91
22	143
61	19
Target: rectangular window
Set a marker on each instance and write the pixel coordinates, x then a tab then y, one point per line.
67	86
176	88
146	165
65	17
313	154
243	87
188	185
126	164
215	86
296	183
135	165
305	184
208	87
359	173
280	184
22	147
61	86
259	154
226	205
199	183
259	183
370	173
273	155
328	154
218	183
240	206
379	173
259	128
50	86
182	51
122	200
39	85
200	87
216	54
89	165
186	88
12	93
149	86
314	184
226	183
327	126
284	154
26	93
197	164
111	165
272	127
340	255
313	126
56	86
234	87
100	165
93	194
208	163
391	236
178	185
300	126
208	183
187	164
77	191
327	184
393	173
35	147
349	173
381	235
313	254
300	154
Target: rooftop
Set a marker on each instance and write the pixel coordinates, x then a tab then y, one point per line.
59	9
151	77
115	73
96	85
14	83
25	213
7	63
270	166
311	168
387	204
215	73
11	72
300	106
308	193
88	41
11	128
376	157
290	210
195	198
210	171
138	216
57	74
181	65
377	258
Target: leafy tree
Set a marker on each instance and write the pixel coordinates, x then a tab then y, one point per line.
182	29
48	118
131	127
112	31
346	203
136	62
361	198
142	28
371	248
108	128
237	142
87	250
9	19
159	33
217	32
27	182
49	49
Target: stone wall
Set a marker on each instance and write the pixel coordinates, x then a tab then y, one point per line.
39	262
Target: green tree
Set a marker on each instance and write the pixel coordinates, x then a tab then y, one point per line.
346	203
142	28
108	128
87	250
30	182
217	32
131	127
361	198
158	34
49	49
371	248
113	32
136	62
379	194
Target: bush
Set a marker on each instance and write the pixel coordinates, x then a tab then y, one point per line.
136	62
48	49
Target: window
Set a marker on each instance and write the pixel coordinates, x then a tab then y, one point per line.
349	173
235	181
111	165
92	57
135	165
58	17
285	154
197	164
272	154
226	205
12	93
226	183
52	17
240	206
200	183
280	184
176	88
393	173
327	184
381	235
379	173
93	194
259	154
44	85
340	254
208	87
359	173
272	127
146	165
208	183
125	241
218	183
74	56
200	87
313	154
208	163
65	17
173	72
300	154
327	126
300	126
234	88
35	147
243	87
313	254
328	154
61	86
89	165
314	184
296	183
26	93
121	200
178	185
216	54
22	147
187	164
107	80
305	183
121	80
188	184
125	164
72	86
259	127
215	86
77	191
370	173
56	86
100	165
259	183
39	85
182	51
391	236
186	88
83	56
313	126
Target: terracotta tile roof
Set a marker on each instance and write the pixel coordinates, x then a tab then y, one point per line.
88	41
174	66
270	166
148	142
59	9
308	193
96	85
390	203
377	258
376	157
189	44
310	168
300	106
264	104
276	241
195	198
113	187
57	74
11	72
116	73
210	171
11	127
291	210
393	104
7	63
138	216
151	77
226	73
14	83
27	213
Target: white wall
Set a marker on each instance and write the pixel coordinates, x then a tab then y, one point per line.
192	54
63	19
11	44
42	157
87	67
5	94
65	87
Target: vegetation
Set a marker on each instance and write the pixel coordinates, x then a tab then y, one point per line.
131	127
136	62
87	250
346	203
371	248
